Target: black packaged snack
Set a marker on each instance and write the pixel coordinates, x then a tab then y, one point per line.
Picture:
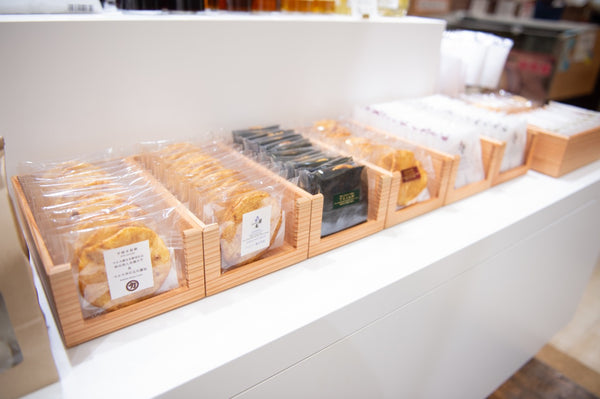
344	188
340	180
239	135
289	145
254	143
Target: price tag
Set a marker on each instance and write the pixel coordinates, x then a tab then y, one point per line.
128	269
256	230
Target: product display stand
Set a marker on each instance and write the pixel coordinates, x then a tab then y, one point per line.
449	304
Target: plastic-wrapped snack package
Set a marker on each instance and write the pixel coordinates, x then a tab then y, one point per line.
563	119
441	132
509	128
499	101
344	192
341	181
413	164
219	187
104	218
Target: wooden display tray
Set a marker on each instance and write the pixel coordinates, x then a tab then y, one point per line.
491	154
556	154
297	207
378	196
437	186
499	177
378	186
379	183
62	289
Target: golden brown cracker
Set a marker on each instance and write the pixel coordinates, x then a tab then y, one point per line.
93	281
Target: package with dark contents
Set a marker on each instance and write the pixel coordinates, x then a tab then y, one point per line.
341	181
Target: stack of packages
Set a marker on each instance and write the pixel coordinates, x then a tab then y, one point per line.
391	154
451	126
105	219
563	119
219	187
341	181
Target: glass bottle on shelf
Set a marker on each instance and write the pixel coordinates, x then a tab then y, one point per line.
266	5
239	5
310	6
392	8
343	7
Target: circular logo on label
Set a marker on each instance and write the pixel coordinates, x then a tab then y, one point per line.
132	285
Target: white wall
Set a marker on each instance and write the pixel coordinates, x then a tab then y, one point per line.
79	84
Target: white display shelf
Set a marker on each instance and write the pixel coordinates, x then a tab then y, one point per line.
446	305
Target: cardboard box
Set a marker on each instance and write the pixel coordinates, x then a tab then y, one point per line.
26	359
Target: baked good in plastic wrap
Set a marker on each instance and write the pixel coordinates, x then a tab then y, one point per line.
219	187
509	128
499	101
342	182
394	155
563	118
421	126
106	219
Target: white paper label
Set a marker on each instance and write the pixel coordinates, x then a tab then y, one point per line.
128	269
256	230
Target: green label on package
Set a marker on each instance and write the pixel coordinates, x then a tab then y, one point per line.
349	198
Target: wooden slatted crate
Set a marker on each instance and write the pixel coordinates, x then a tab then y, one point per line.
436	184
499	177
491	154
556	154
297	206
378	194
62	289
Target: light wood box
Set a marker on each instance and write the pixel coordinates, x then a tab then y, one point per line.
437	185
297	206
379	184
491	154
556	154
378	194
62	289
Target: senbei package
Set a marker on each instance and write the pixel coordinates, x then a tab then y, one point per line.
394	155
217	185
105	218
341	181
509	128
418	125
563	119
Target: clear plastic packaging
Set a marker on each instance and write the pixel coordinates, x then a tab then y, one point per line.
499	101
563	118
342	182
413	163
416	124
104	217
509	128
482	55
218	185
